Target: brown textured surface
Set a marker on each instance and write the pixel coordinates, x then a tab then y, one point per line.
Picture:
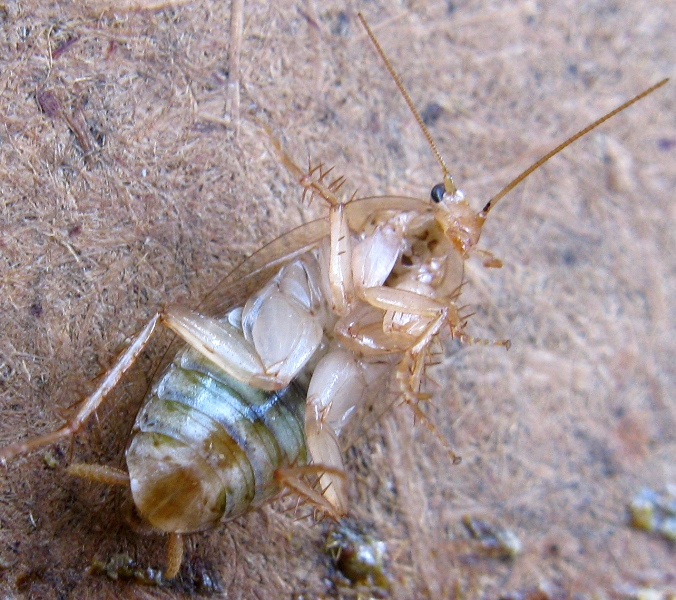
556	435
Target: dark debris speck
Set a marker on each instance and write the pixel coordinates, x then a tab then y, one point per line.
666	144
432	113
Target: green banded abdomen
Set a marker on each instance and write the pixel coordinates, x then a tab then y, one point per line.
205	447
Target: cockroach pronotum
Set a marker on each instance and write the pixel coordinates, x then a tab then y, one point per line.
288	346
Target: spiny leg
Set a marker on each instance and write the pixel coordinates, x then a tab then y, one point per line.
409	373
340	240
293	478
340	250
323	446
92	402
412	367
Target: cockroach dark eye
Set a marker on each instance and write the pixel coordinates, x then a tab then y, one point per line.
437	193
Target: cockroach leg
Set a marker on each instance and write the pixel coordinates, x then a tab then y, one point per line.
322	442
214	339
336	388
294	479
340	239
91	403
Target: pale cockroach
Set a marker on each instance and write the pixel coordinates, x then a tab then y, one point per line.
285	349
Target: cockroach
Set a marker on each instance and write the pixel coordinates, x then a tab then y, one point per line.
288	346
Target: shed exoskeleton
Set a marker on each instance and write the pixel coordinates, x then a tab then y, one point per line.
283	352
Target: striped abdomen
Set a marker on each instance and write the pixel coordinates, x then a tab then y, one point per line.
205	447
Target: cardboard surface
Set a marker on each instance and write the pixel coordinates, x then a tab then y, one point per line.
125	187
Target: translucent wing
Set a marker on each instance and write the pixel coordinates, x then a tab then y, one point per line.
248	277
359	211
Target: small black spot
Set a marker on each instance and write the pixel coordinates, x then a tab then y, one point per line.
25	581
5	373
665	144
48	103
437	193
569	258
35	309
98	135
431	113
63	46
341	25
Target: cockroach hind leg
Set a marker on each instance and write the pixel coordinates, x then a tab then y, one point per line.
296	480
92	402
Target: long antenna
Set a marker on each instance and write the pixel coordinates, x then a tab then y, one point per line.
448	180
510	186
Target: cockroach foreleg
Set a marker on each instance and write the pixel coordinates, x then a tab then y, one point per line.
474	341
396	300
411	370
92	402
